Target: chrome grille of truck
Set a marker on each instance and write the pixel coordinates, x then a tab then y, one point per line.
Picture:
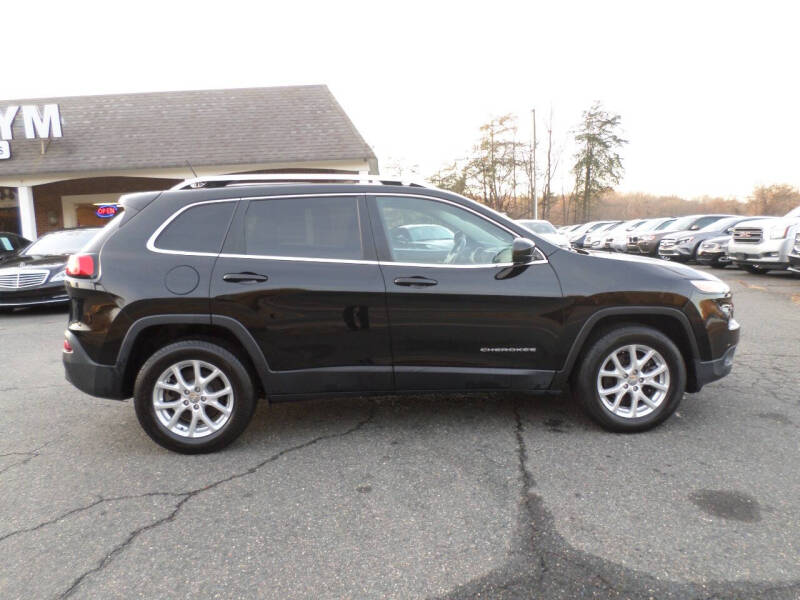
747	235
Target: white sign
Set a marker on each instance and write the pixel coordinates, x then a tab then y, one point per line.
42	124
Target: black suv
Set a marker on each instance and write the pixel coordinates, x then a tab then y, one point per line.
199	300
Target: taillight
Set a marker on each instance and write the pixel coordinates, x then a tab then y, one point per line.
81	265
67	347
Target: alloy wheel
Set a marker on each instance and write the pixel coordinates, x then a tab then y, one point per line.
633	381
193	399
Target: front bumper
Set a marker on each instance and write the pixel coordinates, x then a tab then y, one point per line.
648	248
707	257
676	252
103	381
794	263
712	370
767	253
51	294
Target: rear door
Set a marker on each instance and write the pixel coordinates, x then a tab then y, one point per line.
461	317
300	273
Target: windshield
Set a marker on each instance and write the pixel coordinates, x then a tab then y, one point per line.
664	225
609	227
596	226
794	213
62	242
538	226
683	223
722	224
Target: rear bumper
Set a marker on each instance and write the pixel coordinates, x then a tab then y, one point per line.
103	381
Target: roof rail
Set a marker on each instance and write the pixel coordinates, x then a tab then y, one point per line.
210	181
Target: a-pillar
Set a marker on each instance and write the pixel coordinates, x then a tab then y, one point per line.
27	215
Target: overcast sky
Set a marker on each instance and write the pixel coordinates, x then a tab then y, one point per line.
708	91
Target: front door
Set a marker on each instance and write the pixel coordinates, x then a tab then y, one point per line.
460	316
300	273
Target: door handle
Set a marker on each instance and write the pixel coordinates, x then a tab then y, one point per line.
244	277
416	281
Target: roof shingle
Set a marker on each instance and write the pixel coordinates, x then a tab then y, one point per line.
206	128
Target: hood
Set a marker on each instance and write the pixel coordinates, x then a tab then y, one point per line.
57	261
768	222
720	239
673	268
559	239
697	235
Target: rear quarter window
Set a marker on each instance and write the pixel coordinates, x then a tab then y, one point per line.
199	228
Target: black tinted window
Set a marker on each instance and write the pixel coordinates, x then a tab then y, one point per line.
200	228
324	227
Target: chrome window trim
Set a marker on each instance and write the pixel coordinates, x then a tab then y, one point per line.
153	248
151	241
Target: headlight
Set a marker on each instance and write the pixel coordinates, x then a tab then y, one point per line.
709	246
58	276
710	286
684	240
778	232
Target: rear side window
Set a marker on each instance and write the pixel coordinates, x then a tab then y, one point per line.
199	228
5	243
322	227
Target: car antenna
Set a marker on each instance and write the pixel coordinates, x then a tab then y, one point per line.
188	164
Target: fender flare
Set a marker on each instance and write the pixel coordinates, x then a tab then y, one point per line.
233	326
588	326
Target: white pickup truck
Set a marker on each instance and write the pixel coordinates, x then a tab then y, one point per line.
761	246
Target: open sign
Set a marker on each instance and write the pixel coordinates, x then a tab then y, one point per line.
106	211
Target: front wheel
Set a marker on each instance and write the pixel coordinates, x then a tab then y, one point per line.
193	397
631	379
754	269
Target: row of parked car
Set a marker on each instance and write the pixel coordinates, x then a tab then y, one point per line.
756	244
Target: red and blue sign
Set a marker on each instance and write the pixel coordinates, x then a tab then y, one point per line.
106	211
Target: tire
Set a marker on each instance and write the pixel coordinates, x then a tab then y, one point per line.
588	381
194	430
754	269
717	265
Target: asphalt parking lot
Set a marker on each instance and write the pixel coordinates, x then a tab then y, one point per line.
504	496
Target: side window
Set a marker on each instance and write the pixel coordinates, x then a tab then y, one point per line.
200	228
321	227
431	232
5	244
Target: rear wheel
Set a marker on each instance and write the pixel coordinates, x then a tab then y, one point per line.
194	397
717	265
631	379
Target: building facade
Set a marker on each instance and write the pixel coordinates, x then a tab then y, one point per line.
63	161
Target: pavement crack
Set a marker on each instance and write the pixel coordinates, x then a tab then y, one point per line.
29	456
84	508
186	496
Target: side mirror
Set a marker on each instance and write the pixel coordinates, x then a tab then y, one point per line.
522	251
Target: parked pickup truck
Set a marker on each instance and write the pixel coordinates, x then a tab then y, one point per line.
759	246
794	254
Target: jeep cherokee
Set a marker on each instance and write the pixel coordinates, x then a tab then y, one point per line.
199	300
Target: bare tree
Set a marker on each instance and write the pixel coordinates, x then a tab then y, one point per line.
552	164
